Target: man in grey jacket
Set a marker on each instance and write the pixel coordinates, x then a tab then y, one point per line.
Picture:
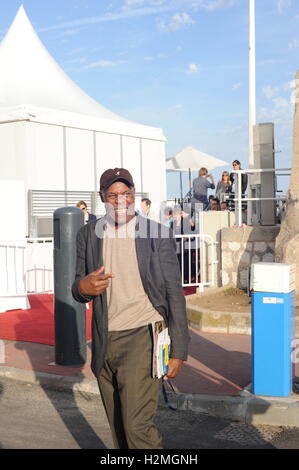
128	266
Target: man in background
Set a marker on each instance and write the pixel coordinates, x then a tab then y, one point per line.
146	210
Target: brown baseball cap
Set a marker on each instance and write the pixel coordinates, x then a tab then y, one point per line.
110	176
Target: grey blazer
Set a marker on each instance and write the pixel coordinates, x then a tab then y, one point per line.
160	276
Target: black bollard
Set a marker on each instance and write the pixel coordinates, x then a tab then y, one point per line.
70	324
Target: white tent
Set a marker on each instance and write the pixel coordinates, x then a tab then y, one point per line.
192	159
53	136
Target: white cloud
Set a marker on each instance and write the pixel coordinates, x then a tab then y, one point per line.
282	4
176	107
289	85
70	32
139	8
105	63
130	3
219	4
294	44
213	5
121	14
270	91
193	68
177	21
236	85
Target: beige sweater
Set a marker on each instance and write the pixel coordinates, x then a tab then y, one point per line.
128	304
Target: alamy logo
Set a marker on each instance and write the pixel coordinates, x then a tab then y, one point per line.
2	352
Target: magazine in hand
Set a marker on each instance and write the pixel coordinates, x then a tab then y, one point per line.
161	349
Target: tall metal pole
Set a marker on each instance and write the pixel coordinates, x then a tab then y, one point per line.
252	98
252	79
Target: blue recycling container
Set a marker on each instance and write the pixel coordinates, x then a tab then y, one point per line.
273	328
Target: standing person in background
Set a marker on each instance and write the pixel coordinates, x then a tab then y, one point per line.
235	185
183	224
146	210
87	216
168	216
224	187
201	184
234	178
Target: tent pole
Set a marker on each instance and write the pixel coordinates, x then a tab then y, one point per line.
181	183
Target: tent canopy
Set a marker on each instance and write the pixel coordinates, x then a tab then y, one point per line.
34	87
192	159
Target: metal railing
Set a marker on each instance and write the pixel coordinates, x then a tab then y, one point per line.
195	249
26	267
239	197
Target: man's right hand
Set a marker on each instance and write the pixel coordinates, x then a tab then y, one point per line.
95	283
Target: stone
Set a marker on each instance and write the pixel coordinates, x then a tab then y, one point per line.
243	278
255	259
271	246
245	258
225	278
234	246
227	260
260	247
286	248
268	258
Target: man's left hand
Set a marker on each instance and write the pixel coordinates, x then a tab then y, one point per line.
174	367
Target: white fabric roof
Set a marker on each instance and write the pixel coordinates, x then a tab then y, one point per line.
34	86
193	159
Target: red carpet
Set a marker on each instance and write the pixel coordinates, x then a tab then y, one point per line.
189	290
35	325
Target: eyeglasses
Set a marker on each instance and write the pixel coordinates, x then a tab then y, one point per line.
83	208
114	196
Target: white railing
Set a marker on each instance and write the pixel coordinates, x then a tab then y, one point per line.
26	267
238	197
201	270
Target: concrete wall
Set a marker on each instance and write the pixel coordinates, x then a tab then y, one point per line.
242	246
211	223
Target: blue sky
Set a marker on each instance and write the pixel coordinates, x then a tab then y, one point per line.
177	64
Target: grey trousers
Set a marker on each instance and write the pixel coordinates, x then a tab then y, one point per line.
129	393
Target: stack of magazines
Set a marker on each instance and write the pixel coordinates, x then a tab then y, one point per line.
161	349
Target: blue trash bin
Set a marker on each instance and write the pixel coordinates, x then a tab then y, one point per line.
273	312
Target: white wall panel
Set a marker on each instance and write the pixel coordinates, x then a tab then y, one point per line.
79	160
153	171
44	149
131	159
108	148
12	150
13	227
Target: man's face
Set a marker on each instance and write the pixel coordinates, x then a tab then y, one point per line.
120	202
214	205
144	207
83	208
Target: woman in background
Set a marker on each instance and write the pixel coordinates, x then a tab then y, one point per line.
87	216
224	187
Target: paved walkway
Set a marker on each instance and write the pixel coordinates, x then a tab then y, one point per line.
218	364
212	380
